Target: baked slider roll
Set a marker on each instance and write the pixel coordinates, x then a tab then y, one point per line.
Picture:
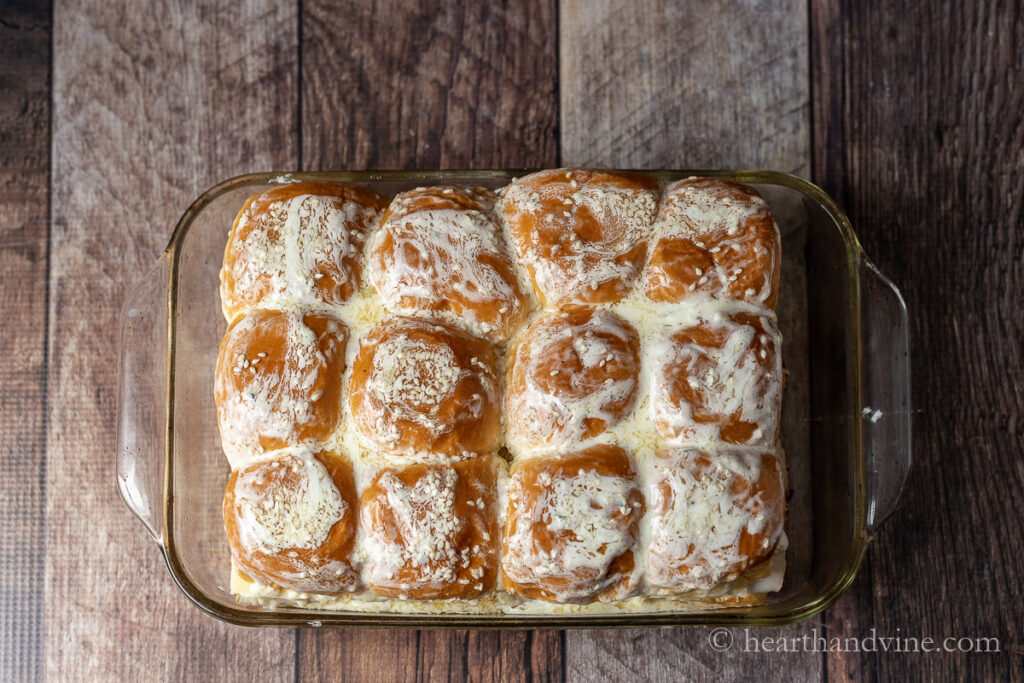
278	381
439	252
421	386
571	527
582	234
716	239
573	375
712	517
719	380
431	531
291	522
301	241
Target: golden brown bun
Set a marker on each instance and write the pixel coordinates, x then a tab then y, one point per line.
571	527
324	238
421	386
291	522
432	530
573	375
439	252
582	234
278	381
718	240
744	494
720	380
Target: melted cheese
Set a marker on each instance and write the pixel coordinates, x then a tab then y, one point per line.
703	520
560	417
298	236
575	504
269	404
426	523
431	253
564	261
274	515
586	514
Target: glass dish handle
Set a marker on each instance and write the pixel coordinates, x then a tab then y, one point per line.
142	399
885	383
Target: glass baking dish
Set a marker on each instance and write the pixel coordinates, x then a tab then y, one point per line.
845	419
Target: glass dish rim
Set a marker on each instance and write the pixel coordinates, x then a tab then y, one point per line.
296	617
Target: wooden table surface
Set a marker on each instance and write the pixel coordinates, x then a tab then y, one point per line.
115	115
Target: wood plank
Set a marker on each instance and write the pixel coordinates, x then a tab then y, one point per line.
440	85
855	607
153	103
656	84
25	29
922	138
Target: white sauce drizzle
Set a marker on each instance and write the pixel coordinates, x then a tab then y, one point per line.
583	506
312	233
274	516
703	519
424	538
437	253
290	264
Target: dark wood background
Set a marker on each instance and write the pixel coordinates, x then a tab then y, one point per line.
115	115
